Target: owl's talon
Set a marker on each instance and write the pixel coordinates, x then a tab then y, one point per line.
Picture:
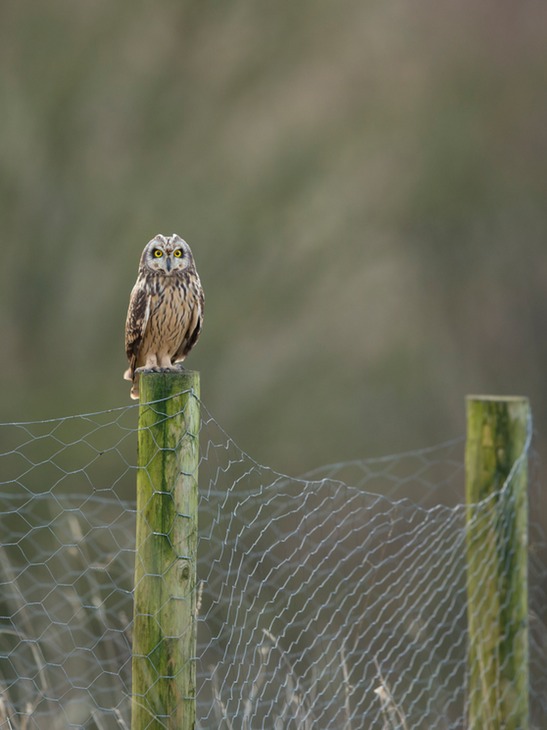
156	370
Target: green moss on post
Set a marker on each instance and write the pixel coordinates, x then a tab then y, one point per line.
498	432
164	629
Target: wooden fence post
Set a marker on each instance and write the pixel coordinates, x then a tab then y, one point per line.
496	465
164	627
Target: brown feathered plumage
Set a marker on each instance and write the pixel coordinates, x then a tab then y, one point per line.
165	308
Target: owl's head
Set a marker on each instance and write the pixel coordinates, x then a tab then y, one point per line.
166	255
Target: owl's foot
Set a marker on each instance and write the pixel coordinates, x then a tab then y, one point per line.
156	370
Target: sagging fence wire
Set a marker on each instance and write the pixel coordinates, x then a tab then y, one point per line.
337	599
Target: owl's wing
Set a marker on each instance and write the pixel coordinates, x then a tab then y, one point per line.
194	329
135	325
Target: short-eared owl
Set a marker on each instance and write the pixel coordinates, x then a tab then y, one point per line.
165	308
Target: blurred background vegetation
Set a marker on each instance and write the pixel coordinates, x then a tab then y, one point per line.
363	185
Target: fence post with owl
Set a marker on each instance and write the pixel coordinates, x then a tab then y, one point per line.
164	628
496	463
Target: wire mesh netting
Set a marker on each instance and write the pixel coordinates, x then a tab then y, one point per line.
334	600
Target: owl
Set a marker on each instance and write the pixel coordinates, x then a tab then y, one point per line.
165	309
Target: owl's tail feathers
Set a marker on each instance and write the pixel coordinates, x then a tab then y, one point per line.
134	378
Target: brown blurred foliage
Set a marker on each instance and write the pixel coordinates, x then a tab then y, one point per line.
363	185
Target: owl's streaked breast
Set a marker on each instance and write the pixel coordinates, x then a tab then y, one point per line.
171	307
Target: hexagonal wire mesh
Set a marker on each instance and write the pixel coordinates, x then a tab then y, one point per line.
337	599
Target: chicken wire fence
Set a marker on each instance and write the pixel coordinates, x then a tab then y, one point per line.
333	600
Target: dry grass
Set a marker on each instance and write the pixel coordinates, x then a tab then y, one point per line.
55	616
394	718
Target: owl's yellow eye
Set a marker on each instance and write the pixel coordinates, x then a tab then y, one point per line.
158	253
177	253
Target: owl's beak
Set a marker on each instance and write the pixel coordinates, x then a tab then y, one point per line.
168	263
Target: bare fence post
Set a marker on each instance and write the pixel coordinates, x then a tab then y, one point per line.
164	627
496	465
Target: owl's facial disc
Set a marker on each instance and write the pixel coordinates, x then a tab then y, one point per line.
168	255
